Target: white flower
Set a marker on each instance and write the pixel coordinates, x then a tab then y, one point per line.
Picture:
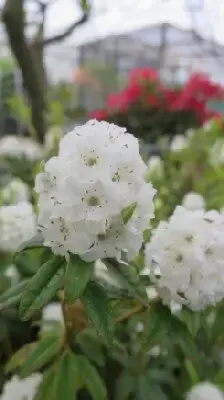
21	389
12	273
179	142
186	257
193	201
17	224
17	146
155	351
151	293
85	190
52	138
53	312
15	192
205	391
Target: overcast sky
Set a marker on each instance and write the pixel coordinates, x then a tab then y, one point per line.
114	15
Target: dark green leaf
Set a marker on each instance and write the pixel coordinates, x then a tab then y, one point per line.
143	388
13	291
91	346
67	377
124	386
60	382
11	303
42	287
92	380
45	351
149	390
127	278
46	390
78	274
98	309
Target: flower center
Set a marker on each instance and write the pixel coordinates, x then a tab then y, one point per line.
93	201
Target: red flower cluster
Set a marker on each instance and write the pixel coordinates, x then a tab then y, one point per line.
146	90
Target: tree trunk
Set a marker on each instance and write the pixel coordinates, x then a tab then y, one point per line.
13	18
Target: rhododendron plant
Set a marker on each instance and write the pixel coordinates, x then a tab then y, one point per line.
150	108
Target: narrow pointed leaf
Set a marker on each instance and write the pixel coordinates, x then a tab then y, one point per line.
77	275
61	381
42	287
67	377
92	380
127	279
46	390
13	291
45	351
98	309
128	211
11	302
18	358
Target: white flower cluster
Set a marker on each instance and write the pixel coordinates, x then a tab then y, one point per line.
83	191
17	224
16	191
21	389
17	146
186	257
205	391
193	201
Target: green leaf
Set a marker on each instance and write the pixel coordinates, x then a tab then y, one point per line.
61	381
45	351
46	390
42	287
11	303
192	372
127	278
92	380
18	359
67	377
124	386
91	345
127	212
143	388
77	275
149	390
219	379
13	291
98	309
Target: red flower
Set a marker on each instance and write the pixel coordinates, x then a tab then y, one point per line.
117	101
99	114
143	74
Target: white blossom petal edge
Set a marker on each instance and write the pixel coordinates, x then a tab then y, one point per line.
205	391
21	389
